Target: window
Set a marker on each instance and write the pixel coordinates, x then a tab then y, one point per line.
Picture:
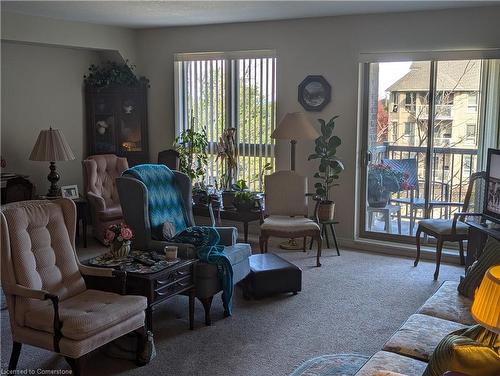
410	101
395	101
230	90
409	129
470	133
472	102
395	131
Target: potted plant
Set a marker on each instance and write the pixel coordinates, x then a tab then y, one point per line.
114	74
382	181
192	148
118	237
329	168
244	200
227	154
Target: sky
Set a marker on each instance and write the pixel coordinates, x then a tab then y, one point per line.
390	73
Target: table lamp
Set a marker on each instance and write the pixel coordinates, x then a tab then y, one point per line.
295	126
51	146
486	306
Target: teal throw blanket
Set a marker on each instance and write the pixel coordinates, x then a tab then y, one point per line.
206	240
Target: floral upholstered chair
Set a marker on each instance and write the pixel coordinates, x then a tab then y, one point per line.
100	173
48	301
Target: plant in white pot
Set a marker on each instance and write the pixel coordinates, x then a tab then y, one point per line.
329	168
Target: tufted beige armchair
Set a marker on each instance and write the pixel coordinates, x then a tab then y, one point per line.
49	304
286	210
100	173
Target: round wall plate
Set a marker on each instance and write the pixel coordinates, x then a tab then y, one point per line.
314	93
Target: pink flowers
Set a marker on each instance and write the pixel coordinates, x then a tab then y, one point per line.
126	233
118	233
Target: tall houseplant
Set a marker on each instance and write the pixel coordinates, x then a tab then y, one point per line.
192	148
227	155
329	167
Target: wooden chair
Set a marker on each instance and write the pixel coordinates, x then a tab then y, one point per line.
448	230
286	210
169	158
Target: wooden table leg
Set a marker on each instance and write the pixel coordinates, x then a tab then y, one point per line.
84	225
245	231
332	228
149	319
191	309
324	231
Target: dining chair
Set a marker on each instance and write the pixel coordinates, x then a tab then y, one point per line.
448	230
286	211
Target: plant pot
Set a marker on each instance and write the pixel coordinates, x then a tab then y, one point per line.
227	199
120	249
326	211
200	198
378	199
244	205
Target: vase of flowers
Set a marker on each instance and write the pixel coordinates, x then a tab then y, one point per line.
382	182
118	238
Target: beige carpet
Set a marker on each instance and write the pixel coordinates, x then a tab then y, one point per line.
353	303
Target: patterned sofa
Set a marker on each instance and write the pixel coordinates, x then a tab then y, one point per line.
408	350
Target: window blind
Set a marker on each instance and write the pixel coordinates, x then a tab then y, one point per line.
224	91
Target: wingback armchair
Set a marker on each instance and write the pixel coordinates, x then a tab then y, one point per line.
100	173
148	204
48	301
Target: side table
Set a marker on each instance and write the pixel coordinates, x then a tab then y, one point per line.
325	225
232	215
156	283
81	216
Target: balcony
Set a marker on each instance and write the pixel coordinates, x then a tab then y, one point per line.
451	169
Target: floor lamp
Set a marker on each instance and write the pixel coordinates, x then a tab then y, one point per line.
294	126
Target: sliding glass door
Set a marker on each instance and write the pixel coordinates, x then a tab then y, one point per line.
421	142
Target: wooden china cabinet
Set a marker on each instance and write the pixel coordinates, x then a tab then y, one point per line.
117	122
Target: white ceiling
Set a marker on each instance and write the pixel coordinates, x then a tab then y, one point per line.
143	14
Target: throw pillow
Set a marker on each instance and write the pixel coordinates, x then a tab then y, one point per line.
474	351
475	273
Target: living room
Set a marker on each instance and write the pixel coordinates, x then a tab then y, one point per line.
268	70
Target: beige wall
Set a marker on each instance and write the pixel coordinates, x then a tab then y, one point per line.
41	30
326	46
42	87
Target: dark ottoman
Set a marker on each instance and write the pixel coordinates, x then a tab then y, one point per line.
271	274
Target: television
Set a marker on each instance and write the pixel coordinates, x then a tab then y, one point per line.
491	208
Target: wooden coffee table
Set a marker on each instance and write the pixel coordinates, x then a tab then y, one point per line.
156	283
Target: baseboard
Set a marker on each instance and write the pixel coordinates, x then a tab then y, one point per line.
398	249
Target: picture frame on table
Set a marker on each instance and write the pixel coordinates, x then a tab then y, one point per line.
70	191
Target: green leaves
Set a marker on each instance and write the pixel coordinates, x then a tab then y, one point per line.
325	150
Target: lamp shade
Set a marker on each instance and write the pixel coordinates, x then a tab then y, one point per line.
51	146
486	306
295	126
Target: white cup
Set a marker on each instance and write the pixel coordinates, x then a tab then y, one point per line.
170	252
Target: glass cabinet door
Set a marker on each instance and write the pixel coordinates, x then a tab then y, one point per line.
104	125
130	127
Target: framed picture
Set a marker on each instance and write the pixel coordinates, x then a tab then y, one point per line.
314	93
70	191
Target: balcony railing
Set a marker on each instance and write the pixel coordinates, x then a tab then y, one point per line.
450	171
